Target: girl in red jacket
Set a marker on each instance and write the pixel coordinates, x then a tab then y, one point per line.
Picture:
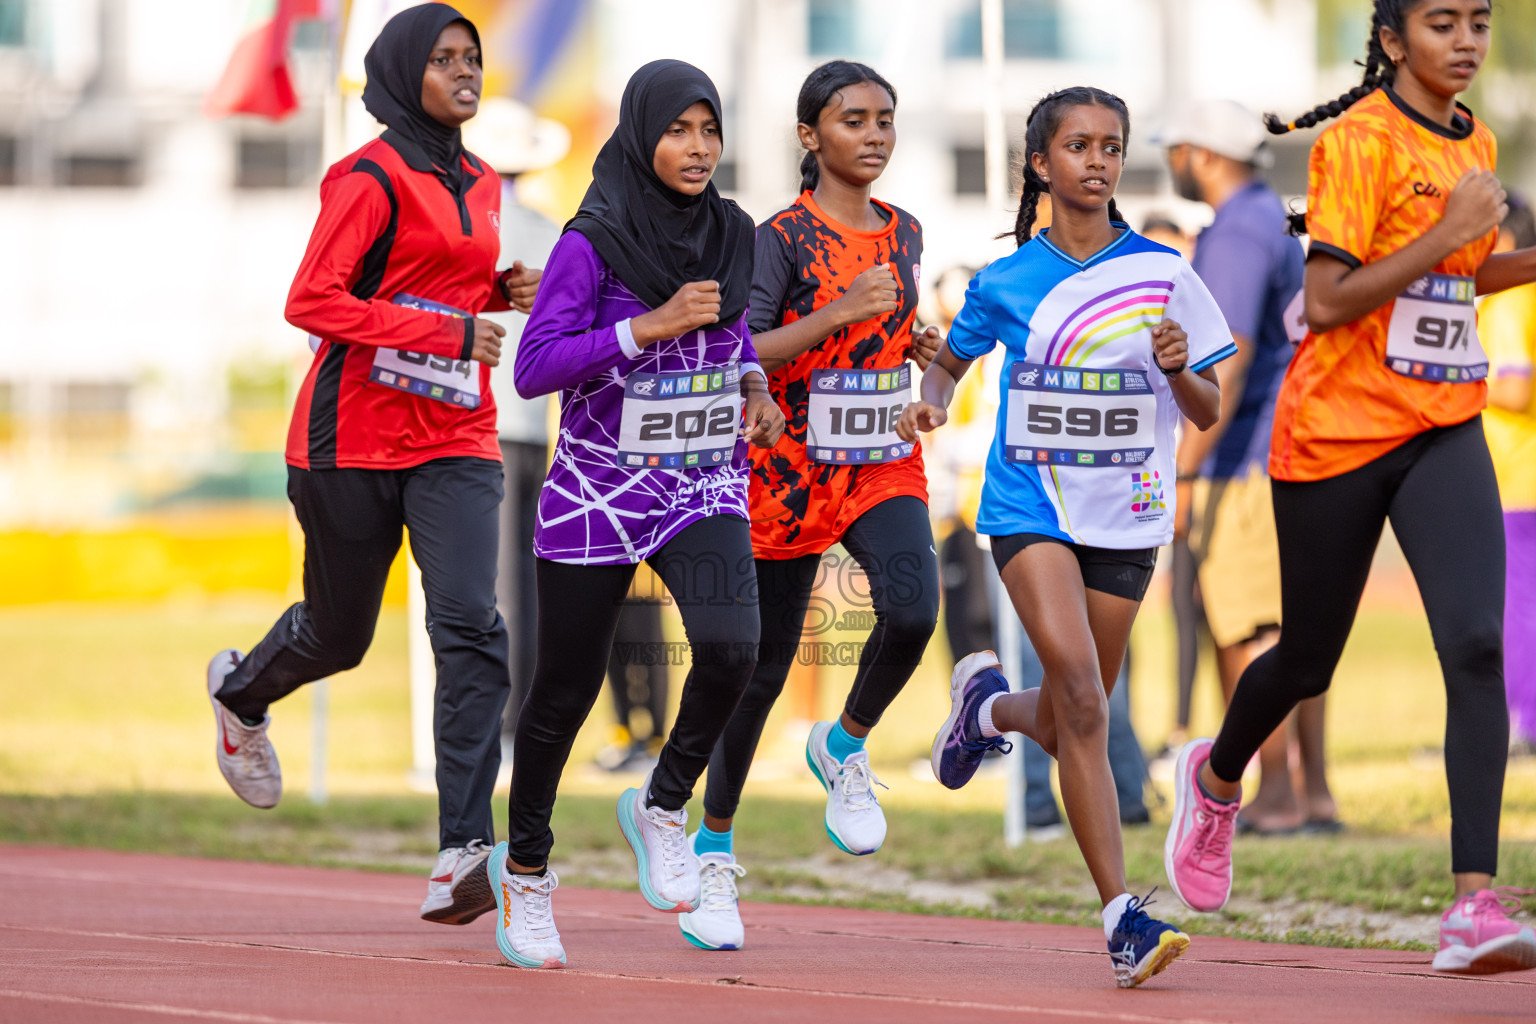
395	427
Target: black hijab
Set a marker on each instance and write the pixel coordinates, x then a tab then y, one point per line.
655	239
395	65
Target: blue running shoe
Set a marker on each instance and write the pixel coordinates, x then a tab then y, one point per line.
1143	946
959	746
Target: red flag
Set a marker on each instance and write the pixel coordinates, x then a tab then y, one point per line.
256	80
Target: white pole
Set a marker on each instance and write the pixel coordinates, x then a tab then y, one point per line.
1010	651
423	674
994	128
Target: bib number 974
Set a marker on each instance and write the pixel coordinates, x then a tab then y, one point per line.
1432	335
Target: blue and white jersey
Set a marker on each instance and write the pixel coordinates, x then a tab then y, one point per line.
1084	445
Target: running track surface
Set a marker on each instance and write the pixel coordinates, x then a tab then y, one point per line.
88	936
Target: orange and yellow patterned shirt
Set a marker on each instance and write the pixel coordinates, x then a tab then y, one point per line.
801	504
1379	178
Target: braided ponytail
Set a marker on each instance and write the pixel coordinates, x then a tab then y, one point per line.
1044	119
1378	70
816	93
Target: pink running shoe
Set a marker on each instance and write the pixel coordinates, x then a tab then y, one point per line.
1198	852
1477	936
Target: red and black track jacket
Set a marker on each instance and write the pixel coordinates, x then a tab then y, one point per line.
389	225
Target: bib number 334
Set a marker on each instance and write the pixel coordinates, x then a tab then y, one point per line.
440	378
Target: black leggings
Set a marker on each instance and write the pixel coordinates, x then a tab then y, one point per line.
893	544
707	568
1438	490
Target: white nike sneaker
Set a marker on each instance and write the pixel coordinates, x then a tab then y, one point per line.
460	887
526	934
246	758
854	819
669	872
717	922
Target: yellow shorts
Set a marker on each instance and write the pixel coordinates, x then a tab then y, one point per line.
1232	533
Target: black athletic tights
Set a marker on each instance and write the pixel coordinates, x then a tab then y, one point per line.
1438	490
893	544
707	568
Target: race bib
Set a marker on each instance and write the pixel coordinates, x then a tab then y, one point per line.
1433	332
852	414
1094	419
1295	317
680	421
454	381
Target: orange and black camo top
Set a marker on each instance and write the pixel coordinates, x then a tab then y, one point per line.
804	261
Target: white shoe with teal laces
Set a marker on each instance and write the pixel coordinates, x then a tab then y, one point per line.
717	922
854	819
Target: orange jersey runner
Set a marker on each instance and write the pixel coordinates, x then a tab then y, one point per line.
1378	179
800	504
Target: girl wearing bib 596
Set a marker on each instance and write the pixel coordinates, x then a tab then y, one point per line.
1109	337
1378	419
834	292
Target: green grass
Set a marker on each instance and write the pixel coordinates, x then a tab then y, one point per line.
104	742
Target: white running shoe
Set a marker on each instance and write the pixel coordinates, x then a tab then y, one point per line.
854	819
668	870
717	922
526	934
246	758
460	887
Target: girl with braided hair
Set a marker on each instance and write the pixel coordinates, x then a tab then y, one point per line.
1377	420
834	296
1109	338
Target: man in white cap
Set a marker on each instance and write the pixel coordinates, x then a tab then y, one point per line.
1254	269
509	137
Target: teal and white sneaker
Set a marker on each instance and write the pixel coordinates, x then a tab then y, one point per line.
525	916
668	870
717	922
854	819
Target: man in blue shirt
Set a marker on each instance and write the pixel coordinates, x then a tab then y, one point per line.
1254	269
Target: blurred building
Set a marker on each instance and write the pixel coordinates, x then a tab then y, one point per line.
147	251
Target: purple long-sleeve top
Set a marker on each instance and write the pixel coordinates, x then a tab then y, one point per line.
593	511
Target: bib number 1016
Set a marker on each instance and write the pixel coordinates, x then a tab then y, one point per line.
863	421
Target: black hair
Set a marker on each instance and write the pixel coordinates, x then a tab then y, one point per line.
1040	129
1158	222
1379	69
816	94
1520	221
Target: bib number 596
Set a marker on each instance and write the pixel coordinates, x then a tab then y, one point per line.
688	424
1079	421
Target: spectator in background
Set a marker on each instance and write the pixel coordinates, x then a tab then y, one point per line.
1254	269
1164	231
637	680
1188	615
1506	323
507	135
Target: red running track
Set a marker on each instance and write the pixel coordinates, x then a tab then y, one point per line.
89	936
